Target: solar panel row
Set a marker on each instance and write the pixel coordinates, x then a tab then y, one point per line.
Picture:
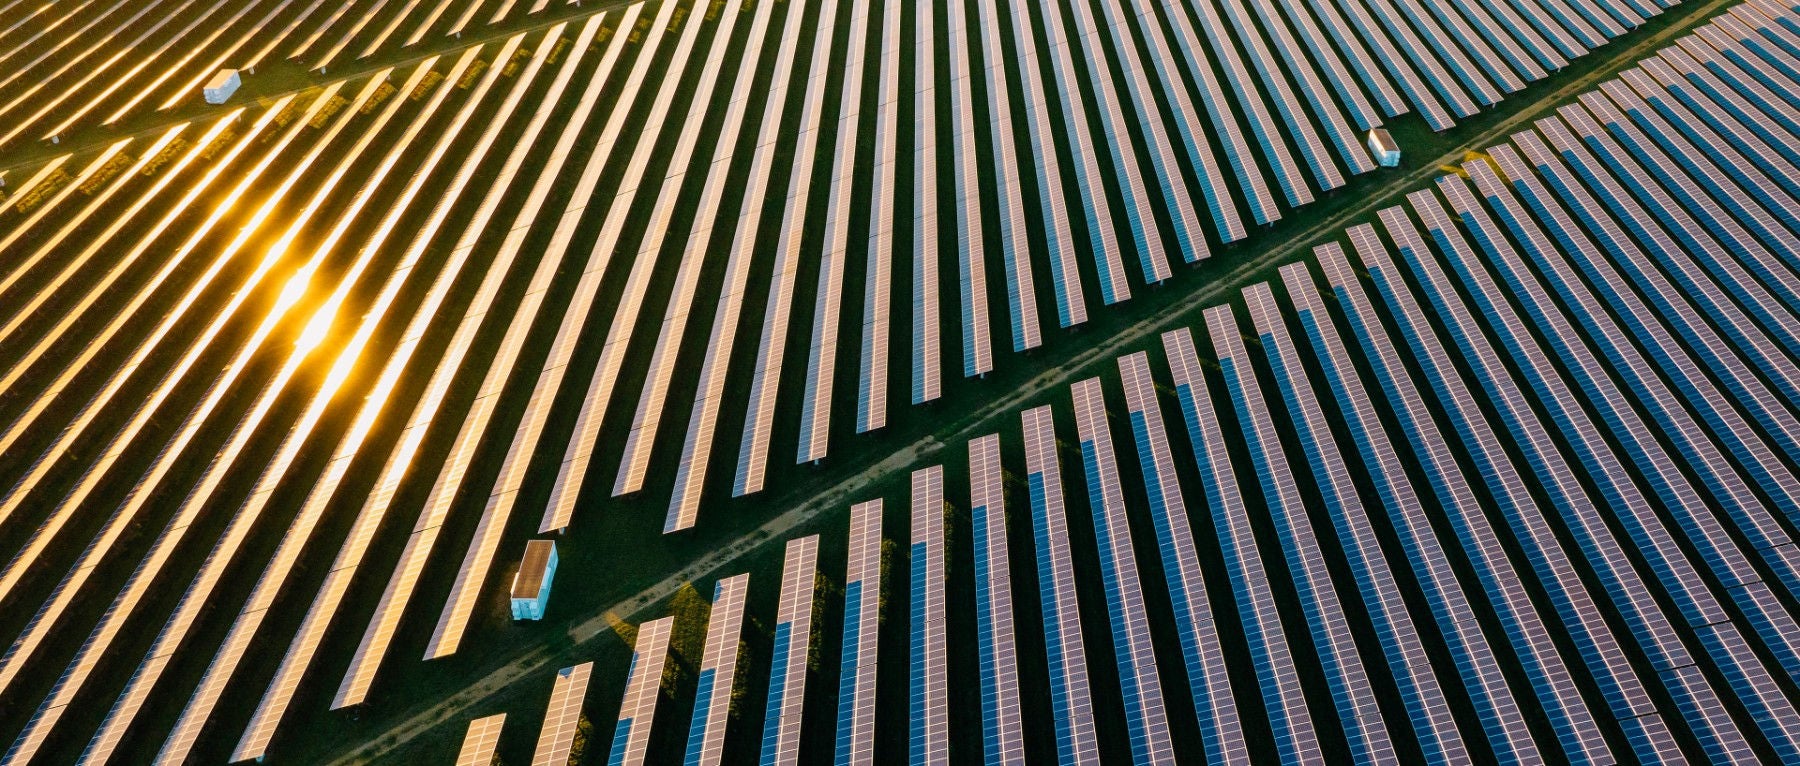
1140	688
372	650
759	420
872	382
643	687
479	742
562	717
709	394
1208	676
101	63
821	358
174	531
1072	707
1357	711
718	673
793	641
1002	721
862	620
928	685
653	400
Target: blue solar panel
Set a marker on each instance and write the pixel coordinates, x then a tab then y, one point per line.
1071	703
1277	677
1428	711
1358	711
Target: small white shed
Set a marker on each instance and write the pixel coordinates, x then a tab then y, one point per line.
531	586
1382	145
221	86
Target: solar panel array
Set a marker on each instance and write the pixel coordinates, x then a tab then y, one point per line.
1502	402
103	64
1612	427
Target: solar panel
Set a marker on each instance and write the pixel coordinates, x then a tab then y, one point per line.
1431	109
567	693
653	398
246	516
1345	140
872	381
1399	34
718	673
1198	148
971	243
1705	84
1408	664
1178	202
643	687
1276	675
1446	36
1660	227
1724	147
1072	707
137	586
1357	709
73	497
862	620
451	473
1139	218
1262	126
928	692
1556	691
1015	241
12	497
1053	209
1602	551
787	668
479	742
1207	672
1519	43
753	449
1145	719
1322	52
709	394
1451	610
446	638
1728	178
1324	171
821	360
927	361
1701	335
46	241
1002	725
1503	720
1749	134
1723	561
329	597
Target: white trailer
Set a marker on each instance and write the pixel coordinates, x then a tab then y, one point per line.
221	86
531	586
1381	144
